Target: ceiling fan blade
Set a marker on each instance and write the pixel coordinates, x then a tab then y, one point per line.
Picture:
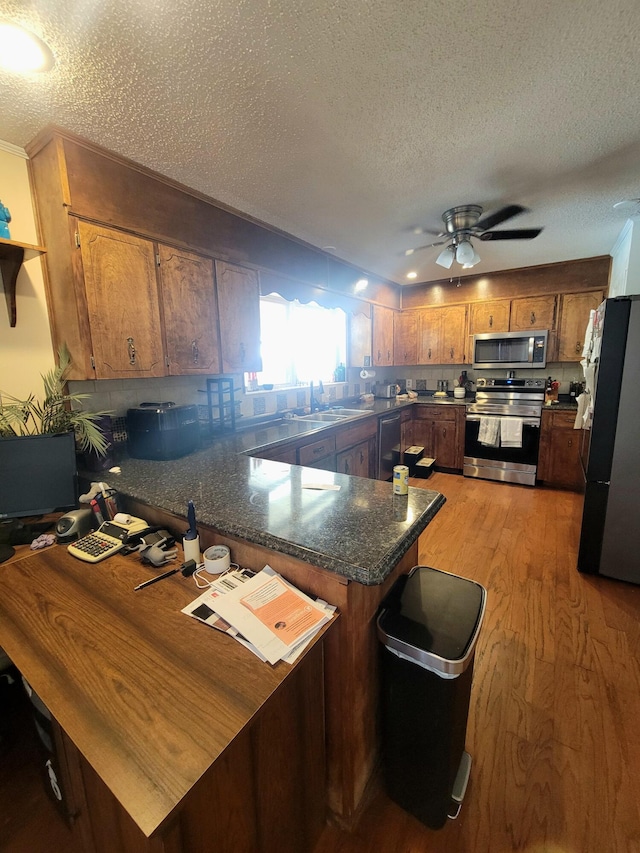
408	252
516	234
499	216
419	230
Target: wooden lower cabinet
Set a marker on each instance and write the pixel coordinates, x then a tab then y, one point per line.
559	459
440	430
355	461
266	791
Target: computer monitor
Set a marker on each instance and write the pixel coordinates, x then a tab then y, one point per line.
37	475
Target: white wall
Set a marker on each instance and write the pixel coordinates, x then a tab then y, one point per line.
25	350
625	267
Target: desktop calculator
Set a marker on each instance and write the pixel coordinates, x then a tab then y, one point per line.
108	539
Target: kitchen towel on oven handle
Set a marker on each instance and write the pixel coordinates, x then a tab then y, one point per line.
511	432
489	432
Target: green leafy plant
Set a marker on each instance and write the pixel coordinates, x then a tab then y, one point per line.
53	413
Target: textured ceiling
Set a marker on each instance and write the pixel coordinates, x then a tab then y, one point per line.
350	122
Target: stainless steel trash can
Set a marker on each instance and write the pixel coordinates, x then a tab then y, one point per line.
428	626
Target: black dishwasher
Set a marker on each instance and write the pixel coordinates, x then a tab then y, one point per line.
388	445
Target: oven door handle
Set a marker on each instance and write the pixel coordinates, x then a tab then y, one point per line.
532	422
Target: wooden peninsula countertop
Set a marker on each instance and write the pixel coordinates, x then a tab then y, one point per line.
150	698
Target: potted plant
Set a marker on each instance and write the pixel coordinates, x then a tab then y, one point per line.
53	413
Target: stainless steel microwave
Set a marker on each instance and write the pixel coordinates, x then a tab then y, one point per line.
510	349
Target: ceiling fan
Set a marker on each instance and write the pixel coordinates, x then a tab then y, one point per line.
462	223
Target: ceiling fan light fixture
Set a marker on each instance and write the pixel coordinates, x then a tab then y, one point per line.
465	253
445	258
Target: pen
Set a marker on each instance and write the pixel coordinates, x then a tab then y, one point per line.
192	532
187	569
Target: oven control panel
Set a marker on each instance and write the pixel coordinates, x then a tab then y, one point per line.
533	384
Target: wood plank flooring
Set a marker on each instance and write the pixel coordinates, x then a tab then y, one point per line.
554	722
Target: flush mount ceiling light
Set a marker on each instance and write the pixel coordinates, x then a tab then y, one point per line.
22	50
361	284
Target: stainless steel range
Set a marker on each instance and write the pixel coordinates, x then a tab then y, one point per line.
502	430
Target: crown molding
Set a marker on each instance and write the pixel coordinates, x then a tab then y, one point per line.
13	149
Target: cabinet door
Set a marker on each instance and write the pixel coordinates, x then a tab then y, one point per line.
190	315
122	301
239	311
489	316
405	337
453	320
445	440
429	346
573	323
359	340
559	461
382	336
536	312
354	461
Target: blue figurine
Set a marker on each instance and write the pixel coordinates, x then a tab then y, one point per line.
5	219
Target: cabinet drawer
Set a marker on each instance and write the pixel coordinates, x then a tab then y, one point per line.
318	450
437	413
348	436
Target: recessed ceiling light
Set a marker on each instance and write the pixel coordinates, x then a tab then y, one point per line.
412	274
21	50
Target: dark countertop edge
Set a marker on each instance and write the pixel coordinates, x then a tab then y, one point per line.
351	571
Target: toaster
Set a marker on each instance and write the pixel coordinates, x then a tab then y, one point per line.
387	392
162	430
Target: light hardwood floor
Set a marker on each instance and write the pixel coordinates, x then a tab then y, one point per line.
554	722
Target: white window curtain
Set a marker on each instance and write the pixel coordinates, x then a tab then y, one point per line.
300	342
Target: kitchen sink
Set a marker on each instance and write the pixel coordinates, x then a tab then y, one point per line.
349	413
323	417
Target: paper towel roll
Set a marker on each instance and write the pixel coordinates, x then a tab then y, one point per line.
367	374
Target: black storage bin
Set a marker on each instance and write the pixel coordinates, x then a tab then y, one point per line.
428	626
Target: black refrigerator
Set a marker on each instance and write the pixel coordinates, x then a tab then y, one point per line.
610	534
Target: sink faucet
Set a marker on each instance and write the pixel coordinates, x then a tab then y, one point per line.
314	405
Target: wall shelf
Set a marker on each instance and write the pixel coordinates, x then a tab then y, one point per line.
12	256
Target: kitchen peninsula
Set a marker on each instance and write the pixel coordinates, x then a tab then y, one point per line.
222	716
346	546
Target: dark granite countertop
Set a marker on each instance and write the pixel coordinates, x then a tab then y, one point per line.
359	531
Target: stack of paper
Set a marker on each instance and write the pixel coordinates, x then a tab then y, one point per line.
264	612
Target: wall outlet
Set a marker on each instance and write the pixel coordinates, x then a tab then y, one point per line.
408	384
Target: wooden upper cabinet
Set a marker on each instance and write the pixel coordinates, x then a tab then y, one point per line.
405	337
442	335
429	336
382	335
359	340
536	312
190	312
574	317
122	303
489	316
239	311
453	320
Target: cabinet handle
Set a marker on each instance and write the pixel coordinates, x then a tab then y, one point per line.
132	350
389	356
319	450
379	357
451	353
570	443
361	457
429	355
346	466
533	317
444	432
195	352
490	320
578	345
